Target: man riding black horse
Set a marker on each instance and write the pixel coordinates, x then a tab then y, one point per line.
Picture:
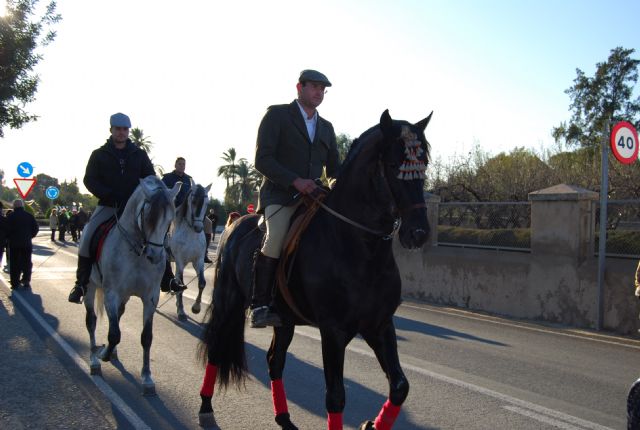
294	145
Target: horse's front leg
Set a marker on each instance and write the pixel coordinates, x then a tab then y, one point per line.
384	344
112	307
276	357
182	316
90	322
334	343
149	308
199	268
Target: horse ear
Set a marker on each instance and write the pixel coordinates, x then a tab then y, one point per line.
175	190
386	123
208	188
423	124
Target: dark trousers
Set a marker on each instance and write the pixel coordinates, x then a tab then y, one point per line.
61	233
1	254
74	234
20	264
208	239
53	234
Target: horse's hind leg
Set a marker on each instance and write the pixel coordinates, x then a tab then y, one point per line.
182	316
276	357
90	322
385	346
195	308
148	386
334	343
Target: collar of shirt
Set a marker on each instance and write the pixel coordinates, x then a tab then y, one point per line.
309	122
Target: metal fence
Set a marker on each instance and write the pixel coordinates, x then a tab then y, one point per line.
623	228
491	225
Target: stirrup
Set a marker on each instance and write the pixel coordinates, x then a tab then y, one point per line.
264	316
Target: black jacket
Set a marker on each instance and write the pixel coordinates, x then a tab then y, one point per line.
22	228
111	183
4	230
170	180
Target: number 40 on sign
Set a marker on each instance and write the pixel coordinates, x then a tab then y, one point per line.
624	142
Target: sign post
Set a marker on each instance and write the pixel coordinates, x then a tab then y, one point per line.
624	145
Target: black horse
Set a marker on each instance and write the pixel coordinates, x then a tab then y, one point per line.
343	279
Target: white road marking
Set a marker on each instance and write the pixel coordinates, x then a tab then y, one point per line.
542	418
135	421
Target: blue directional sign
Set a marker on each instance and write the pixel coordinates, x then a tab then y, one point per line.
25	169
52	193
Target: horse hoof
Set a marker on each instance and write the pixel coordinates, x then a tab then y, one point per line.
114	355
284	421
367	425
95	370
149	390
103	355
207	421
195	308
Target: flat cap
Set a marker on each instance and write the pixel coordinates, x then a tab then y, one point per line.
314	76
120	120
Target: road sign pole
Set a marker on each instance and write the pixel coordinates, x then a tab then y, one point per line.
602	241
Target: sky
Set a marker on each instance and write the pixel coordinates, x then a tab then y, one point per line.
197	76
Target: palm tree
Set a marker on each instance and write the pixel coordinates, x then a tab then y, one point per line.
229	170
246	185
140	140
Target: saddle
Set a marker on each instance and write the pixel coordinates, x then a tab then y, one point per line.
99	236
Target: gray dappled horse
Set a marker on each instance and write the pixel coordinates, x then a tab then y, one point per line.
131	264
187	242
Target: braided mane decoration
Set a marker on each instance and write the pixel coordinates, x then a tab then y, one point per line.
412	167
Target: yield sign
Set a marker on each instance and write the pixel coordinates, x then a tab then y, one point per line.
24	185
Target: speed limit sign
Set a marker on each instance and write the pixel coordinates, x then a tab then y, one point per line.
624	142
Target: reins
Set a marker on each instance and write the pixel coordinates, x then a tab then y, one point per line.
138	249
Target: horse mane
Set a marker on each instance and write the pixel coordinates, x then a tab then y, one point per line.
157	203
357	146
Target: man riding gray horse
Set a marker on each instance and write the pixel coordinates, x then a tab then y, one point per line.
113	172
169	280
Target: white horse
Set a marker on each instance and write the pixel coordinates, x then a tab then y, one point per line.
187	242
131	264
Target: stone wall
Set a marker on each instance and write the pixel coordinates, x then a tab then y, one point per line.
557	282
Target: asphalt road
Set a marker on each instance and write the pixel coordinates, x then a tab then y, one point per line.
466	370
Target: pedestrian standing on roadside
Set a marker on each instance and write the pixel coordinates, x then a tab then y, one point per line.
4	232
22	228
208	229
63	224
53	223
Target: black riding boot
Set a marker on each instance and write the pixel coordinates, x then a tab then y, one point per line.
169	282
83	273
262	314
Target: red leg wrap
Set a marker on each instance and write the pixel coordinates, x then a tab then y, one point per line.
334	422
209	380
279	397
387	416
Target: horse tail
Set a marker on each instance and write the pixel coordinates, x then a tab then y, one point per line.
222	341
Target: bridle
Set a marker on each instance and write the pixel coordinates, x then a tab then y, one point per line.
398	212
138	247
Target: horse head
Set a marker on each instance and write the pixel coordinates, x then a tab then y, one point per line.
196	206
154	213
404	155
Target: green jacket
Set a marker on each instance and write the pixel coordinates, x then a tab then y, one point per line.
284	153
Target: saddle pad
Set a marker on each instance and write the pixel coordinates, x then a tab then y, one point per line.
97	241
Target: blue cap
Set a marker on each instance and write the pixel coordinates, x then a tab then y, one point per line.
120	120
